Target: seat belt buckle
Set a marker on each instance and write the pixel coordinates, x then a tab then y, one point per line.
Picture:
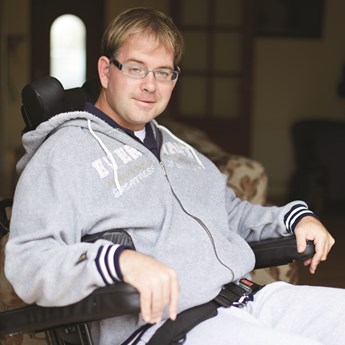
249	285
237	294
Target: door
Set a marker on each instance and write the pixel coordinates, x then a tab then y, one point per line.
43	14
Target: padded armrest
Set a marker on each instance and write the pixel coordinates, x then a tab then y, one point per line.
103	303
121	298
279	251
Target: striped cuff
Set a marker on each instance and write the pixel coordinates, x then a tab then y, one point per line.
296	213
107	262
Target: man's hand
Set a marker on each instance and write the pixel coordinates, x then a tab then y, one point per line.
157	284
309	228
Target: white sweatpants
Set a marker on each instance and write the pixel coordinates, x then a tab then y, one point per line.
281	314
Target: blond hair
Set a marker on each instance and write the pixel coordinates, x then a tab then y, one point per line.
138	20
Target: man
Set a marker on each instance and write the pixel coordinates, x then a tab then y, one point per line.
183	231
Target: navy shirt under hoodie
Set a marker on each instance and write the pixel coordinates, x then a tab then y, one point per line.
150	140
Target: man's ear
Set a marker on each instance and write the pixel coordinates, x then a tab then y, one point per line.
103	71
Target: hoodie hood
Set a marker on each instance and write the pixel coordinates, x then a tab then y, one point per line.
33	140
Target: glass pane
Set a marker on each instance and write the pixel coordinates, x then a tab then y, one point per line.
226	94
68	50
227	52
196	51
229	12
192	91
194	12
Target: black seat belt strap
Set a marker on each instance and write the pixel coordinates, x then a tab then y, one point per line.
175	332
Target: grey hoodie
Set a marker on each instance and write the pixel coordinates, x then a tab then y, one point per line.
80	176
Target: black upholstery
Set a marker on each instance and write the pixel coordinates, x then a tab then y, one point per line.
46	97
41	100
103	303
92	88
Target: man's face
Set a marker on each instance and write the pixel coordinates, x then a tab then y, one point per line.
129	101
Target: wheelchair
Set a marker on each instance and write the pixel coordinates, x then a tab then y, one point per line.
69	325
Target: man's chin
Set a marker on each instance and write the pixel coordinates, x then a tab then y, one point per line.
144	119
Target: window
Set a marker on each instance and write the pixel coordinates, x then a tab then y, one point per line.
68	50
212	67
214	89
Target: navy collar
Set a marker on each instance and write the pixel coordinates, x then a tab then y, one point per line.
150	140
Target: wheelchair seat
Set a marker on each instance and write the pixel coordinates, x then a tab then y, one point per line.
67	325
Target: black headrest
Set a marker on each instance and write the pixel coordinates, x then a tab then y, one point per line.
46	97
92	89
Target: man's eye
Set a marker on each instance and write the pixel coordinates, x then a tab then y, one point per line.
135	69
163	74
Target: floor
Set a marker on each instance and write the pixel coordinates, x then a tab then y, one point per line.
331	272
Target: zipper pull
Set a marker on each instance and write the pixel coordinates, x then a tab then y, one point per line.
163	168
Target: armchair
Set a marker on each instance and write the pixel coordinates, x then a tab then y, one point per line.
69	325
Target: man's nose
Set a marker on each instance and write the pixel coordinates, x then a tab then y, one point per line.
149	83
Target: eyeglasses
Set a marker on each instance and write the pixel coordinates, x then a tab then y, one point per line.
138	71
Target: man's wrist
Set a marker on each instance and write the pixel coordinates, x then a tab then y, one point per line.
108	262
295	214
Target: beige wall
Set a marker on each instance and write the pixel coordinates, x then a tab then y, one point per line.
293	78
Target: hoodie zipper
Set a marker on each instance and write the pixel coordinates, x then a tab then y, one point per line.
197	219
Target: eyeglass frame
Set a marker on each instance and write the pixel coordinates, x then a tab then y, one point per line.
175	72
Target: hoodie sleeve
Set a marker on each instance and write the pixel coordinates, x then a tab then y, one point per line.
257	222
45	261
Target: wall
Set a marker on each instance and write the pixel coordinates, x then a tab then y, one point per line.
115	7
293	78
14	62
